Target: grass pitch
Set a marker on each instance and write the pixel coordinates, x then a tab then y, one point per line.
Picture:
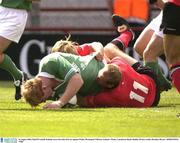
18	119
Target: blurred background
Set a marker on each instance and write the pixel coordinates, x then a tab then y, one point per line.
87	16
85	20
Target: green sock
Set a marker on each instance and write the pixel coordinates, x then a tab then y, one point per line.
164	83
10	67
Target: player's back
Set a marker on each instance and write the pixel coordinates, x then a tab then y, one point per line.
134	90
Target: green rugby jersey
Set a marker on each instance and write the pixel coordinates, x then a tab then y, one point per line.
62	66
17	4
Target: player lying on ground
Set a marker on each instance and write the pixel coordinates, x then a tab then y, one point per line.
146	97
68	75
137	88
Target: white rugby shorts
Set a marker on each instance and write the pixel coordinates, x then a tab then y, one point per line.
155	25
12	23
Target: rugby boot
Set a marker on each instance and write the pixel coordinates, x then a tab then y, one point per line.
18	84
122	25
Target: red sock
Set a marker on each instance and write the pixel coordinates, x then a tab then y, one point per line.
125	38
175	75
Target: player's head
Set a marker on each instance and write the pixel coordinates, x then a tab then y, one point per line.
109	76
32	91
65	46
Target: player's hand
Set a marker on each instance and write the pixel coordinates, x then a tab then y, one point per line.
99	56
53	105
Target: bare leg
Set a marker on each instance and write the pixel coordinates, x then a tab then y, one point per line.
154	49
143	40
112	51
172	49
7	64
172	52
5	61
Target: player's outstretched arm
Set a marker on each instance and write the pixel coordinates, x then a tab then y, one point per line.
75	83
98	47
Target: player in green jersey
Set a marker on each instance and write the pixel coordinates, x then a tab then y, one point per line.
67	75
13	17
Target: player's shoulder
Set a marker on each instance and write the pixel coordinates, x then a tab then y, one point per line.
50	57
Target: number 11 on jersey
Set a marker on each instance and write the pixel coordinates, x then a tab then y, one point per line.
134	95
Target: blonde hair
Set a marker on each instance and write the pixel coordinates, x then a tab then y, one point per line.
32	92
65	46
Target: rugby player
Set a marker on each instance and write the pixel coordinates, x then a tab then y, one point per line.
13	17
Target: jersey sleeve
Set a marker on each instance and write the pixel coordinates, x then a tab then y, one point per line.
84	50
58	68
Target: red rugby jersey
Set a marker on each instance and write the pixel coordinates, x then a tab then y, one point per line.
84	50
134	90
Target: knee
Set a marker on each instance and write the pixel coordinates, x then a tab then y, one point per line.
108	48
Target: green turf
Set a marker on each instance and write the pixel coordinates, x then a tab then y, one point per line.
18	119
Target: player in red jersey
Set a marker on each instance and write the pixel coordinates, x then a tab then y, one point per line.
171	29
137	88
